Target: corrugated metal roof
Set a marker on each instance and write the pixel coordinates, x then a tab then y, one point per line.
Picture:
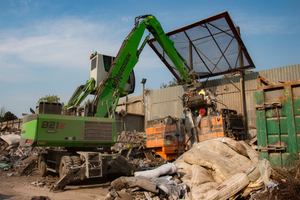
288	73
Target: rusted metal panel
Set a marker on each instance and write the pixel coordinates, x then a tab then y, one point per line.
278	126
230	95
211	47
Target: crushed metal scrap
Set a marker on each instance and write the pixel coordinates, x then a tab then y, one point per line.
132	145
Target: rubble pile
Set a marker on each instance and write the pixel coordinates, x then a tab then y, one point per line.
132	145
9	129
219	168
285	184
15	159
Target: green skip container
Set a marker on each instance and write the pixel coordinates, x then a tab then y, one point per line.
278	122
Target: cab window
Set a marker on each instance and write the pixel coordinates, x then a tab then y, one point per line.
107	62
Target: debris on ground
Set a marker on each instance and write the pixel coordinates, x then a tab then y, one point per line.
129	141
8	129
132	145
22	161
40	198
12	140
41	184
14	159
219	168
284	184
169	168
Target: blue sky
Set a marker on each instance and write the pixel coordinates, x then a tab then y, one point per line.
45	45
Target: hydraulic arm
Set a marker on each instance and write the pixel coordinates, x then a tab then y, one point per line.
81	93
96	129
108	94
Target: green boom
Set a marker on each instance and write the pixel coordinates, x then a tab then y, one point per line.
100	130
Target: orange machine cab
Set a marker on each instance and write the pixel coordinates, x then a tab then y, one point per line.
165	138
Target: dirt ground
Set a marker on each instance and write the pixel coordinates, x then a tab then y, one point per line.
17	187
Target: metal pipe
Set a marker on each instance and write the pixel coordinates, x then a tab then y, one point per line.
242	81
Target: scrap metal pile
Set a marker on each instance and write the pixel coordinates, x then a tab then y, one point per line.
132	145
203	119
9	129
16	160
219	168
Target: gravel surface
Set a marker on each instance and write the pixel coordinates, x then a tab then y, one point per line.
15	187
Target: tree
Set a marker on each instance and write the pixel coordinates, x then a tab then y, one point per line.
6	116
171	84
9	116
48	98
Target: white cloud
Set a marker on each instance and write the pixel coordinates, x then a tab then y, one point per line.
127	19
264	24
31	55
24	2
65	43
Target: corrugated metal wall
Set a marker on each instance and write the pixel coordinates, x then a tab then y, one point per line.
164	102
167	102
132	105
130	114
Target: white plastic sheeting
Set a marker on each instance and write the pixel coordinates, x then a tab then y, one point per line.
12	140
166	169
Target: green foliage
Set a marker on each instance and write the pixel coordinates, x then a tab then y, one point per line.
50	98
9	116
6	116
171	84
88	101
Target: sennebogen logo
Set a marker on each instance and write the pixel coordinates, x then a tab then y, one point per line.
118	76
